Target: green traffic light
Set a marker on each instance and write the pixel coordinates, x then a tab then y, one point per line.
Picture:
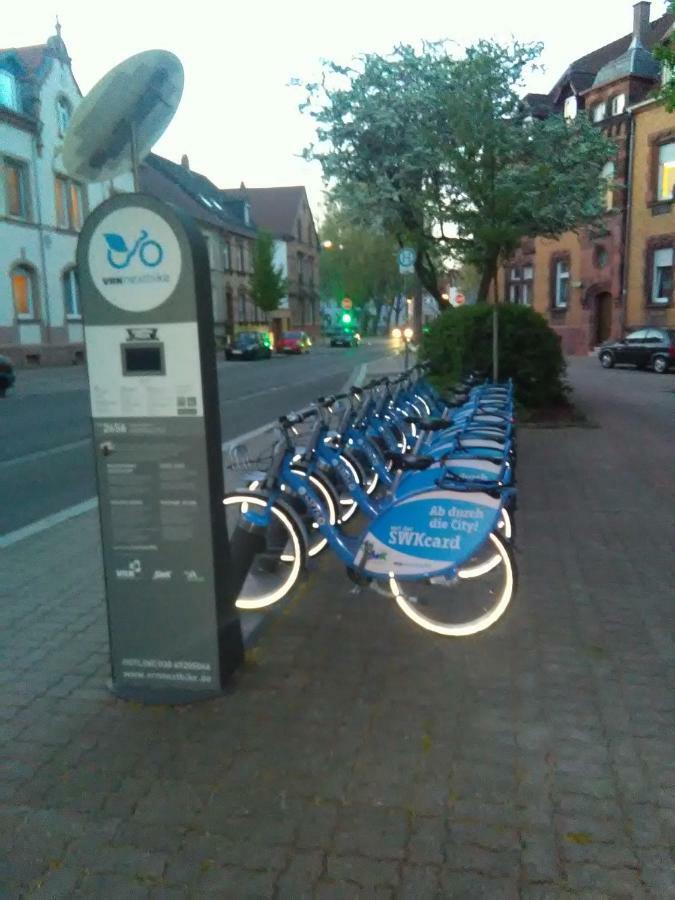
346	318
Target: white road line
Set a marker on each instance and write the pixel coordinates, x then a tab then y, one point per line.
41	454
13	537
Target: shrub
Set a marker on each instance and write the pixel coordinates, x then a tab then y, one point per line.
460	341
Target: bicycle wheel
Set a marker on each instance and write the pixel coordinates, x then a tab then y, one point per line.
282	551
472	601
329	500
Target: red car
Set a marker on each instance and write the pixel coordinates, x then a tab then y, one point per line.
294	342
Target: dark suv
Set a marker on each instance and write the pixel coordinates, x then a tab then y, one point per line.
654	347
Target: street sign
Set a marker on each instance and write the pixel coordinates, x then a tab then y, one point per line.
346	303
406	261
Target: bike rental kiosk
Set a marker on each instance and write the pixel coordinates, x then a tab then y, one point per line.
148	322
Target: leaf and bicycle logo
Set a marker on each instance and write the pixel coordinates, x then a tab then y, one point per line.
150	252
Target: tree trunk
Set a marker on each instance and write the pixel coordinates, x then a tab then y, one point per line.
485	281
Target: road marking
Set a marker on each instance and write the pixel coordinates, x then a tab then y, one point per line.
13	537
42	454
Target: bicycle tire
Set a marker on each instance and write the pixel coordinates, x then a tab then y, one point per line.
411	607
258	592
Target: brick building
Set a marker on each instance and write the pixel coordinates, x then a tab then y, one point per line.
286	214
579	281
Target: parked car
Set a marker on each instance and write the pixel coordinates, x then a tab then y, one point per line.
7	376
294	342
646	347
345	338
249	345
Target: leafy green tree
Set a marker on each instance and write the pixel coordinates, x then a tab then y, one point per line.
359	263
440	152
268	285
665	53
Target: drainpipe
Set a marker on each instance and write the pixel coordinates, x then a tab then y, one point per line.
627	222
43	254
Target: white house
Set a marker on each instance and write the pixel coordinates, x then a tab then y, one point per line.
41	209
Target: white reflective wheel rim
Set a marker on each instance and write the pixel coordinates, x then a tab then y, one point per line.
296	560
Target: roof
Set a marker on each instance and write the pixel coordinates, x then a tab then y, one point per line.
30	57
582	72
191	192
274	208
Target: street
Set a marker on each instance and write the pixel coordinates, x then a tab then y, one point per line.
45	448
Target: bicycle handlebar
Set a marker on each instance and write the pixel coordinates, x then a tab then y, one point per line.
295	418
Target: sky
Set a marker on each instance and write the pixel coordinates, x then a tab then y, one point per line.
239	119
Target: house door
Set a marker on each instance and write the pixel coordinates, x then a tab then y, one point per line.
603	318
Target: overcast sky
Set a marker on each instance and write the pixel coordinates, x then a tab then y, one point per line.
238	119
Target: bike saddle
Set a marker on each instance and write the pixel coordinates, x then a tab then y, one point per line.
409	462
427	424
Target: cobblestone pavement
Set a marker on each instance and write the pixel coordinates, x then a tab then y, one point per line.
357	756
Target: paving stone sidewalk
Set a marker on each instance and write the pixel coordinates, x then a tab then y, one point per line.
355	755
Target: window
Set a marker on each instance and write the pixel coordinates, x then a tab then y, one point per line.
618	104
599	111
61	200
666	171
242	305
519	287
9	94
69	201
637	337
245	257
662	280
247	213
562	283
226	256
570	108
23	292
601	257
63	114
238	262
16	189
607	175
71	295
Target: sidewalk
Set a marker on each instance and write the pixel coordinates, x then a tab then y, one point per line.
357	756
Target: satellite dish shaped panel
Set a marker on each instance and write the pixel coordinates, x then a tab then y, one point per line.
123	115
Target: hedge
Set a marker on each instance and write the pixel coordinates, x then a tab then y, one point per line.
460	341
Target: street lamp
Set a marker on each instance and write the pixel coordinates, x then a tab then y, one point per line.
327	245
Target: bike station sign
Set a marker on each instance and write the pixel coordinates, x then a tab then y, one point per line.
148	323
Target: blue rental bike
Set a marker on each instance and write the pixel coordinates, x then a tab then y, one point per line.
432	535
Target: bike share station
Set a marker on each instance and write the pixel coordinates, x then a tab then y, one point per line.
145	286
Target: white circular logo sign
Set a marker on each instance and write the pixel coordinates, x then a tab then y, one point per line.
134	259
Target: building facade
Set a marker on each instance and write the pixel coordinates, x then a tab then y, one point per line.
41	208
651	221
286	214
579	282
229	233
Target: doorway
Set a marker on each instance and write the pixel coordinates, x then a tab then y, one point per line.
603	318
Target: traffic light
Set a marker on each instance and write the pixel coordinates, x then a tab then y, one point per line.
346	318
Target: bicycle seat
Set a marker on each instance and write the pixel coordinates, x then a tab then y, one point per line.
409	462
427	424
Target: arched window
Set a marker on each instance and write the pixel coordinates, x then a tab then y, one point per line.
242	305
9	92
24	292
63	114
71	294
608	173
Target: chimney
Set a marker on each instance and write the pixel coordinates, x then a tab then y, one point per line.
185	162
640	22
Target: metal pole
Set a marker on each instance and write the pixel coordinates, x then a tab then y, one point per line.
495	344
134	155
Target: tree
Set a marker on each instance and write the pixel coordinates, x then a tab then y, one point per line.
360	264
440	151
268	285
665	53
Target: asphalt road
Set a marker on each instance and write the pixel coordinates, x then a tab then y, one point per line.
46	463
